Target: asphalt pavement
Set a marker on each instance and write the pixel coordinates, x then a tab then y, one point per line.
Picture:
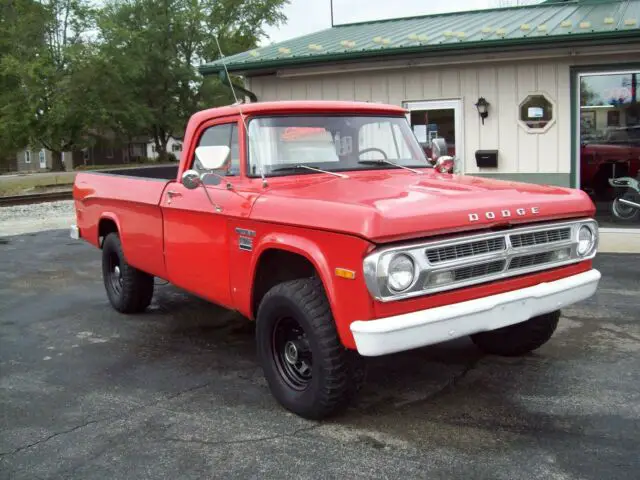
176	392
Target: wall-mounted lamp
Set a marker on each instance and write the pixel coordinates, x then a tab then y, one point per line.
483	108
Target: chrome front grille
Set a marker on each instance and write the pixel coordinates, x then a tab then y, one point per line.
542	237
525	261
464	250
479	270
465	260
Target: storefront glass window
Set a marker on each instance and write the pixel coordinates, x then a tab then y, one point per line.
609	152
435	123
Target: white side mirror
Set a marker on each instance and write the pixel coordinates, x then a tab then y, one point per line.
213	157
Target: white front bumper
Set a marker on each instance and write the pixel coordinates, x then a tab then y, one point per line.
435	325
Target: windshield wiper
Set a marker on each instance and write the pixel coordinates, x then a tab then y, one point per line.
384	160
306	167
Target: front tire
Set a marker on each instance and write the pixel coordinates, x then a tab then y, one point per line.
308	370
520	338
129	290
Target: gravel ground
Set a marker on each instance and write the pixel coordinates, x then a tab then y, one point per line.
22	219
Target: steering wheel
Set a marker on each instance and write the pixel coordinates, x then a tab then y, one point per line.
374	149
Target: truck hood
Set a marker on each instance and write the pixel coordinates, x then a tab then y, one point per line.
389	205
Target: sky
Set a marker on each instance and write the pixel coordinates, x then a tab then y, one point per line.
308	16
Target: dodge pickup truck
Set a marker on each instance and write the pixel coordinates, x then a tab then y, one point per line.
326	224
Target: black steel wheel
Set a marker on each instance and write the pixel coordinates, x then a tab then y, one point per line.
291	353
308	370
115	273
129	290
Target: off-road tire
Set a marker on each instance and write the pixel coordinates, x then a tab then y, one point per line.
136	287
520	338
336	374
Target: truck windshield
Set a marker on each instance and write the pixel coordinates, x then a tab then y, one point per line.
331	142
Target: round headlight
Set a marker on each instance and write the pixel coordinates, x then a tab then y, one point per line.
586	239
401	273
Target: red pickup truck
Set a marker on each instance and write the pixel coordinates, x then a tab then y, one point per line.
326	224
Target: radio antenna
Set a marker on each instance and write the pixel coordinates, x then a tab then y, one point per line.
239	104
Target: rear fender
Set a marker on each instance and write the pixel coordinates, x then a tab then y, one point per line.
107	216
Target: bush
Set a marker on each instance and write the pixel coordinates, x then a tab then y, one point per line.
171	157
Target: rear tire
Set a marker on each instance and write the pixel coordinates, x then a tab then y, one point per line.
308	370
520	338
129	290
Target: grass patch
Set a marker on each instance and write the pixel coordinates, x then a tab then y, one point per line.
37	182
24	184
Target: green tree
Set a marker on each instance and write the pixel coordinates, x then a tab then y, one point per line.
53	99
588	97
152	47
21	37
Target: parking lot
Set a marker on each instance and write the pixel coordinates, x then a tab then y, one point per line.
176	392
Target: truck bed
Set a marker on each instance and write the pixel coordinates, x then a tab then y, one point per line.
128	198
159	172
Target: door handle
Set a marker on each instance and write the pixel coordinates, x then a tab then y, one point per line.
171	194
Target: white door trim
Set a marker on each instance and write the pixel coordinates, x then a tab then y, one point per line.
42	158
457	105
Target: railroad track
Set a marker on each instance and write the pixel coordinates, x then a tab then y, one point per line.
35	198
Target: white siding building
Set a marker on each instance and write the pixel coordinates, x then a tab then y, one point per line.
560	79
174	145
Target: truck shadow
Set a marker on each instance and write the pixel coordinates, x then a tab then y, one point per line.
224	341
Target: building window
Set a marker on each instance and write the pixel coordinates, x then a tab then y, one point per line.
609	145
176	147
27	156
536	113
42	158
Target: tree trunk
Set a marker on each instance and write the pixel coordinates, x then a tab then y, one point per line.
56	161
161	148
165	155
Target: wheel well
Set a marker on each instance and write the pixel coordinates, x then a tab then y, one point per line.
105	227
277	266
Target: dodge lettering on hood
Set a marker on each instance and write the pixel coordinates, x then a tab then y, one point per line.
326	224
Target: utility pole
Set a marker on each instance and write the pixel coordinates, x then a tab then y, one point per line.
331	6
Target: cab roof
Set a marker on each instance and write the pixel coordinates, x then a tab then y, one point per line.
298	107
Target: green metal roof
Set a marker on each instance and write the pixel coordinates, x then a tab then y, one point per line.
546	23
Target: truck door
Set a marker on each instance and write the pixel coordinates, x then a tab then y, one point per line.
196	240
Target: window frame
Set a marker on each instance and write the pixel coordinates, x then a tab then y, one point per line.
27	156
218	122
290	115
550	123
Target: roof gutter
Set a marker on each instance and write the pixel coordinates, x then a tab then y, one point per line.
225	80
600	38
